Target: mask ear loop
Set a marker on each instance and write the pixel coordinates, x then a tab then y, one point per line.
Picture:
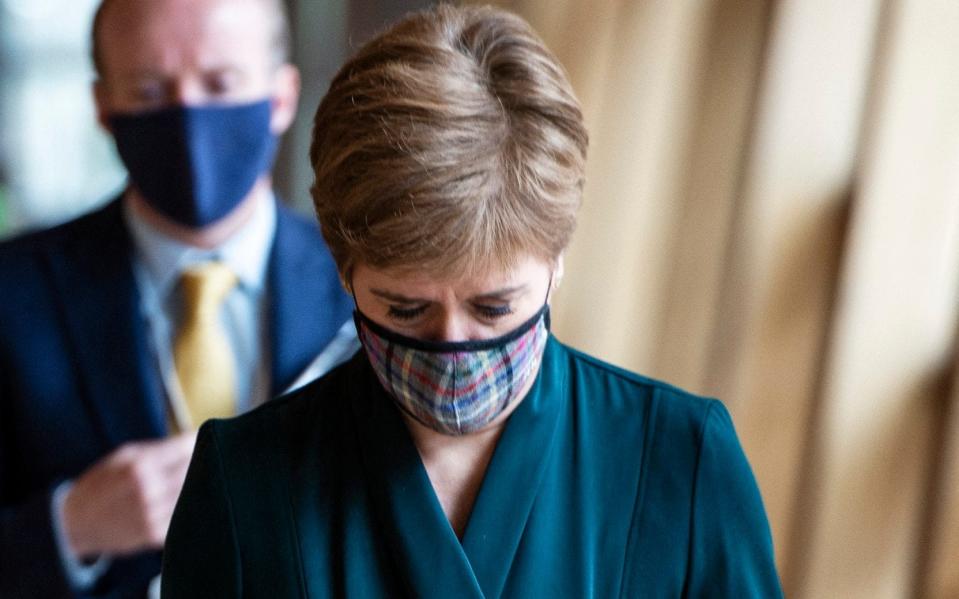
357	315
549	288
352	291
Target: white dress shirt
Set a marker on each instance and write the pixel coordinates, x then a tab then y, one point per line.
158	263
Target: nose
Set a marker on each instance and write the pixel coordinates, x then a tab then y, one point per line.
450	327
187	91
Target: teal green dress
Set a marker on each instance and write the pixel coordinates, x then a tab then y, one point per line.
603	484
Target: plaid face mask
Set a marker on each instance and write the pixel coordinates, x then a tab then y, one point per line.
459	387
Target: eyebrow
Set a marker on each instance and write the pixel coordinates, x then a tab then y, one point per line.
135	76
138	74
396	297
503	293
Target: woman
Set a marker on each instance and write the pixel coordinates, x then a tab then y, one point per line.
464	452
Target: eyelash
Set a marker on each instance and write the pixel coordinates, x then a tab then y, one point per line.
491	312
405	313
494	311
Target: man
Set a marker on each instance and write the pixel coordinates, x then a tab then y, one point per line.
193	295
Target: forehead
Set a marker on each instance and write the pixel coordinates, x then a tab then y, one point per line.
169	36
409	281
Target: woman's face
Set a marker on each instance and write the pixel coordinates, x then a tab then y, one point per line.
467	309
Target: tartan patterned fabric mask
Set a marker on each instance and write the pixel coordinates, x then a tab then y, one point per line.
459	387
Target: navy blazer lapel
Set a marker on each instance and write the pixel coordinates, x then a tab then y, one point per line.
93	274
308	303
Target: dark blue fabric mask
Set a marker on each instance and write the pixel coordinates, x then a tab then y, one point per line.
192	164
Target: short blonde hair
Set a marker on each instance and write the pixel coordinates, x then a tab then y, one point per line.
451	143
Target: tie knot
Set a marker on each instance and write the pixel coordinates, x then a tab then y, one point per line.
206	285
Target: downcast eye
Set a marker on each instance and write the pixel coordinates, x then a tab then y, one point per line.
494	312
405	313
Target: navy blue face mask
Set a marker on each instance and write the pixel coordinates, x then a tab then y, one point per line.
192	164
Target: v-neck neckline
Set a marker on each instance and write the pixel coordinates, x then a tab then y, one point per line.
434	561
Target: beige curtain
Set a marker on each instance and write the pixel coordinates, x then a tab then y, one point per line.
772	218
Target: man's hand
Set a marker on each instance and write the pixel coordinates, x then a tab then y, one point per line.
123	503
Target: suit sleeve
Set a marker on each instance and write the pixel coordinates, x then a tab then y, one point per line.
202	558
30	564
731	553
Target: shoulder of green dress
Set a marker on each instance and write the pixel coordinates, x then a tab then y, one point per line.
644	387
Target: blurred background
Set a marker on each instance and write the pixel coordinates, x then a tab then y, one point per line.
771	217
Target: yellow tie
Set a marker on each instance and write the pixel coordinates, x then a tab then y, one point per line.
201	352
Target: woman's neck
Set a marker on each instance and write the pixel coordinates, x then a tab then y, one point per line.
456	465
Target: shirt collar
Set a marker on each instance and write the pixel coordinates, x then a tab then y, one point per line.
246	252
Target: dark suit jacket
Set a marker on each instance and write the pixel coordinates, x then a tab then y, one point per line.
77	379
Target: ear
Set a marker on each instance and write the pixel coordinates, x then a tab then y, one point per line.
286	95
558	269
102	104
